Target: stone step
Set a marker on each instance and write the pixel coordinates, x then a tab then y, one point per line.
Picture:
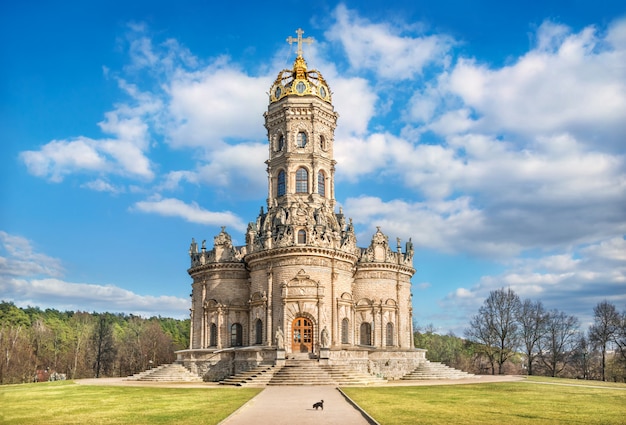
166	373
260	375
302	372
436	370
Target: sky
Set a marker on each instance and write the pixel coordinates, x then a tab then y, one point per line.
493	134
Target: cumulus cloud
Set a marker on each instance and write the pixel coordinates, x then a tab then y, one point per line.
447	226
28	277
100	185
569	83
19	258
123	154
193	213
391	51
206	107
579	280
62	295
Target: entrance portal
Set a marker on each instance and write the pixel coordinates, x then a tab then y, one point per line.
302	335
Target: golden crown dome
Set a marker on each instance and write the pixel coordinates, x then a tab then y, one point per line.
299	81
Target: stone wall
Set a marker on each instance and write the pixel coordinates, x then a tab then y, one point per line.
216	365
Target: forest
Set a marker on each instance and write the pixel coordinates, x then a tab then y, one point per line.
506	335
39	344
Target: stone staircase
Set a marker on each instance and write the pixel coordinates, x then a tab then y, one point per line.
174	372
344	375
300	371
436	370
259	376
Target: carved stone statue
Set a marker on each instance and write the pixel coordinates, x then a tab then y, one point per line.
325	340
280	339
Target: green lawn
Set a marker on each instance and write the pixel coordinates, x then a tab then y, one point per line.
69	403
524	402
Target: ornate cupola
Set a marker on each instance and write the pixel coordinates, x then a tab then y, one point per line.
300	123
299	81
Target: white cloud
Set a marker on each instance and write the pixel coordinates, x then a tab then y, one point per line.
356	101
100	185
171	207
31	278
21	259
217	103
570	83
384	49
574	282
62	295
447	226
238	166
124	154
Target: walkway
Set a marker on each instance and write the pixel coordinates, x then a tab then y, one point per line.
288	405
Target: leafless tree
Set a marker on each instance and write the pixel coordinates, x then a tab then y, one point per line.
532	318
583	355
620	337
495	327
557	343
604	329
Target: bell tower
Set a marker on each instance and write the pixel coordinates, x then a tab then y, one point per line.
300	123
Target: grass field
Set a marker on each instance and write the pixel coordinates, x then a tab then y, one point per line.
68	403
533	401
536	401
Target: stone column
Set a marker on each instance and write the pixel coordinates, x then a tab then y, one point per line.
220	320
191	329
268	309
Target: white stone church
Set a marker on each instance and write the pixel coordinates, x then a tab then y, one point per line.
301	287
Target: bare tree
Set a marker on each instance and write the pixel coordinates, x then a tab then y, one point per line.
582	356
604	329
620	341
557	343
496	328
532	319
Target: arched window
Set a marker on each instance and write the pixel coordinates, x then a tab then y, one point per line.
302	181
213	335
321	183
302	237
345	328
389	333
281	143
282	187
236	335
258	330
366	333
301	139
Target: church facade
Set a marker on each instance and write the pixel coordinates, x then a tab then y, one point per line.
301	286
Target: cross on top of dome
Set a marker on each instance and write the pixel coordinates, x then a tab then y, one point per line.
299	81
299	40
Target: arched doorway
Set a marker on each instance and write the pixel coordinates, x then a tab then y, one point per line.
301	335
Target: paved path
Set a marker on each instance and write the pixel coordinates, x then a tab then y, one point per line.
294	405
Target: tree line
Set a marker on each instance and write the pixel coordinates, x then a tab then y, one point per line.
35	342
511	335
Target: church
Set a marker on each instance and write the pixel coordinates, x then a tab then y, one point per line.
301	286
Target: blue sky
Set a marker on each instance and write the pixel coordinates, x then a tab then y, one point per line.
492	134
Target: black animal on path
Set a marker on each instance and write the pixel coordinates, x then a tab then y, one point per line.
319	404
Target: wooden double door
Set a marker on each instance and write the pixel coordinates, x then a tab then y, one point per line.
301	335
